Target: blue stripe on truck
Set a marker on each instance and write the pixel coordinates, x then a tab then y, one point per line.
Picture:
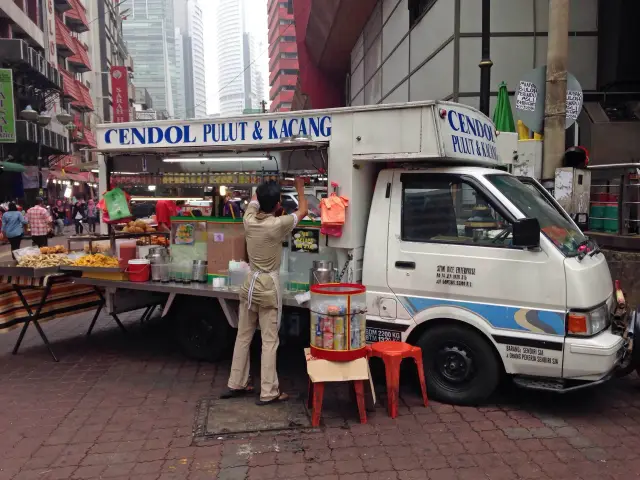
498	316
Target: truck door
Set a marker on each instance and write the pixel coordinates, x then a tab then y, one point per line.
450	256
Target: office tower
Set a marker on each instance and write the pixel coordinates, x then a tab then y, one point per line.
150	37
240	87
283	55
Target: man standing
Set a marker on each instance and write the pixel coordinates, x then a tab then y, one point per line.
40	223
260	298
165	209
230	208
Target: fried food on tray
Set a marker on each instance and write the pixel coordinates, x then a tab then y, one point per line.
44	261
97	260
53	250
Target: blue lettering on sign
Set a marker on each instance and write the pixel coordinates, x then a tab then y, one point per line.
474	137
223	133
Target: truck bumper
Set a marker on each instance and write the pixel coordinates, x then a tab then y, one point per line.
593	359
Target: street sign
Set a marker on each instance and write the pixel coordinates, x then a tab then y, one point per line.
530	96
7	107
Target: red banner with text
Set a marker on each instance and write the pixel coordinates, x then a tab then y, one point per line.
120	94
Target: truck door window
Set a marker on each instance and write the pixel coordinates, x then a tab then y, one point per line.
446	211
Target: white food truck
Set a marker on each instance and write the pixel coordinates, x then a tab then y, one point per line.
481	269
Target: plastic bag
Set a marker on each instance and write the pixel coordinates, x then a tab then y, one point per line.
102	206
332	210
117	204
25	252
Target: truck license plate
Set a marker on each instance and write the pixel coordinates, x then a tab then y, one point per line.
382	335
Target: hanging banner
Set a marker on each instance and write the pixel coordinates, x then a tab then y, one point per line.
120	94
7	107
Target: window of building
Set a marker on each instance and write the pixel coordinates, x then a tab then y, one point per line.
417	8
450	211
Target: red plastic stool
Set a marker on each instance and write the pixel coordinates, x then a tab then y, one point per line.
316	395
392	354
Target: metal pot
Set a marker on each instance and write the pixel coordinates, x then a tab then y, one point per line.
158	255
199	273
322	272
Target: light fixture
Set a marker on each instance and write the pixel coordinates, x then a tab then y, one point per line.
95	170
76	183
152	188
216	159
222	190
64	117
43	119
296	139
29	114
153	199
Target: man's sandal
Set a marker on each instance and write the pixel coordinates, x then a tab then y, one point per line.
237	393
283	397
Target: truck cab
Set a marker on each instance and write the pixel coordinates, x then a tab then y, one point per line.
485	273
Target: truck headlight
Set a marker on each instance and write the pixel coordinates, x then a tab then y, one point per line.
588	323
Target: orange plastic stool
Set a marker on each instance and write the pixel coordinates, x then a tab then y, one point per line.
392	354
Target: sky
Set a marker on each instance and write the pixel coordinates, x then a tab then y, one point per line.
257	20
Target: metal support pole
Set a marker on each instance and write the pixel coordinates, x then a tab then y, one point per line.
39	159
555	104
485	63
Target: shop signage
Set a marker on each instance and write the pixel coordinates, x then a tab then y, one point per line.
305	240
471	135
7	107
222	133
120	94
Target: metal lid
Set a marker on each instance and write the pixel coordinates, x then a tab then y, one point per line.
325	264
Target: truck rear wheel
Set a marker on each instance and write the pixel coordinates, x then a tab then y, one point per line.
201	328
460	365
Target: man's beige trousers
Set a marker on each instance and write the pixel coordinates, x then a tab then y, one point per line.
247	324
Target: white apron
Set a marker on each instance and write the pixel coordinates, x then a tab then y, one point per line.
275	276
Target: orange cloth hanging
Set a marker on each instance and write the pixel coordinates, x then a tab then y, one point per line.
333	210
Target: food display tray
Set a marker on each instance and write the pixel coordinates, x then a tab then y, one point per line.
92	269
12	269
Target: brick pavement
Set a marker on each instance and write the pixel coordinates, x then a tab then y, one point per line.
118	408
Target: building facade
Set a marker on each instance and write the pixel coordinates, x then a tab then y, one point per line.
190	63
283	55
240	83
149	32
409	50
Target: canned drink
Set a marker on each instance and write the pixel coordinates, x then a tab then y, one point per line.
315	324
355	338
333	310
338	342
327	340
327	324
318	341
338	325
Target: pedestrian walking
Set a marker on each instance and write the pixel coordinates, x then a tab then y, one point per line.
13	226
57	213
92	215
260	298
78	214
40	223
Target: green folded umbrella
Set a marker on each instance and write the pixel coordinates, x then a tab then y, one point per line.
502	115
12	167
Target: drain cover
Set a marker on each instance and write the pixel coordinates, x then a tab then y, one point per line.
242	415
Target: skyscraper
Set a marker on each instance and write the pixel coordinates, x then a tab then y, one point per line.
191	64
149	33
240	82
283	55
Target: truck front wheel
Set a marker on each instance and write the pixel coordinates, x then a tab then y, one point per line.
460	366
201	328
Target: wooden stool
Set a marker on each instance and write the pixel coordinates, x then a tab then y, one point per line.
392	354
316	395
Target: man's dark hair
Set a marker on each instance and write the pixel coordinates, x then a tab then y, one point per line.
13	207
39	201
268	196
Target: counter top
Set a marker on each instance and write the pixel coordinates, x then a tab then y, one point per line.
196	289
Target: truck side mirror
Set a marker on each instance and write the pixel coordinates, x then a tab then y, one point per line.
526	233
